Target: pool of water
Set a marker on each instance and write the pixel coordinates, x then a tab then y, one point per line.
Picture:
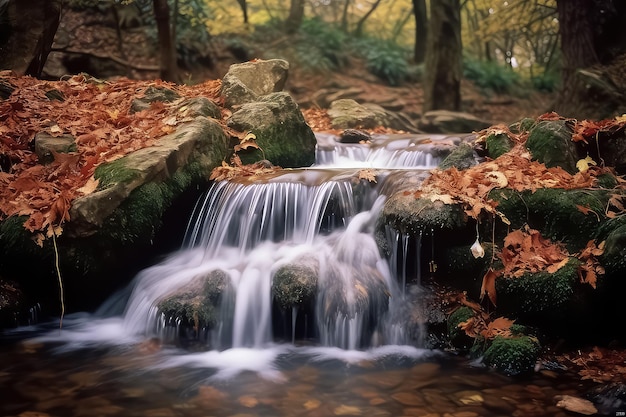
42	377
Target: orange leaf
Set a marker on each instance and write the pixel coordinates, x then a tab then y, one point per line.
489	286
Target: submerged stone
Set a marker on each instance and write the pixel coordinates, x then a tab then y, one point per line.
295	284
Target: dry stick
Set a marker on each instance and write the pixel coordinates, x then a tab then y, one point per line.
56	264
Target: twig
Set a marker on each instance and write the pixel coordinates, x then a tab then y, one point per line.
56	264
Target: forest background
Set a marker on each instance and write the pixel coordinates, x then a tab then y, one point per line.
573	48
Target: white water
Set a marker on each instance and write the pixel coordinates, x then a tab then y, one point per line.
249	231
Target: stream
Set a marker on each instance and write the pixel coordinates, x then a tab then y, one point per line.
349	350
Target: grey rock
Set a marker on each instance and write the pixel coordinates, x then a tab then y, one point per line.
281	132
246	82
46	144
446	121
202	141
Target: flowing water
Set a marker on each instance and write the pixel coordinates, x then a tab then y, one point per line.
350	351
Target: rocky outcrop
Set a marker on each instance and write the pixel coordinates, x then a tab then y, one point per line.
247	82
185	156
280	131
253	91
446	121
349	114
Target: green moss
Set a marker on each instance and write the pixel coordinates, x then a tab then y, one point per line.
540	292
498	145
197	303
138	218
461	157
411	215
555	212
294	285
512	356
523	125
457	337
550	142
114	172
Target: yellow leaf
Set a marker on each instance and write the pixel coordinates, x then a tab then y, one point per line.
367	174
90	186
444	198
584	164
113	114
249	136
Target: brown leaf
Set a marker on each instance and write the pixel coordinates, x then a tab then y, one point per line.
488	286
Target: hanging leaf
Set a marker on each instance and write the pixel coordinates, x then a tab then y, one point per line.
488	286
477	249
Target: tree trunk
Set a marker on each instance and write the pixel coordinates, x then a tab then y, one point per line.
421	30
444	53
244	9
27	34
577	45
169	68
359	26
296	15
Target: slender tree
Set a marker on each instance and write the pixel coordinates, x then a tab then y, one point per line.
361	23
421	30
444	54
168	65
244	9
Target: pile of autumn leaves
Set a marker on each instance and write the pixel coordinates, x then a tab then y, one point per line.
523	250
98	115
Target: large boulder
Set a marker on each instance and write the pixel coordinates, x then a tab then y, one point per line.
248	81
550	142
187	155
281	132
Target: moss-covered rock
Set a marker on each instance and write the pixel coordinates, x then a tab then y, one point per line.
550	142
512	356
498	144
281	132
179	159
555	212
410	215
458	338
295	284
196	305
461	157
539	295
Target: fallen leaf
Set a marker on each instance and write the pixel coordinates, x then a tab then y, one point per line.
488	286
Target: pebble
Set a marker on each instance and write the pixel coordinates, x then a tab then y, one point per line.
408	398
347	410
248	401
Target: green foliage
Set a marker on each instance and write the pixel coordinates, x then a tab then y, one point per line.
490	76
546	82
512	356
385	59
457	337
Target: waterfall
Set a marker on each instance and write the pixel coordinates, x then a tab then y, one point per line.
321	218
